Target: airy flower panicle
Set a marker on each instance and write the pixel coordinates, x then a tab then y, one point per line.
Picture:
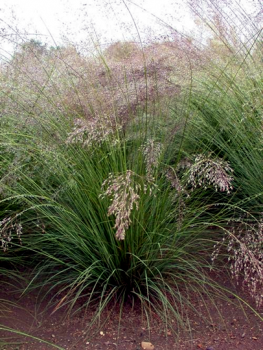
94	131
124	193
206	171
244	245
151	151
7	227
174	180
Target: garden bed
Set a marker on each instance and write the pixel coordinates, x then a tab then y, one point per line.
223	324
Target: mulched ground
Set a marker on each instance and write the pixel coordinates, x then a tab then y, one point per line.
221	325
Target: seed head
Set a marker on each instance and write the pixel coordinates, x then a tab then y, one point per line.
207	171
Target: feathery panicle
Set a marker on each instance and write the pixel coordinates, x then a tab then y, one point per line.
174	180
214	172
151	151
124	193
244	244
7	228
92	132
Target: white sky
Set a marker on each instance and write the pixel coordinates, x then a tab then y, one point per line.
79	20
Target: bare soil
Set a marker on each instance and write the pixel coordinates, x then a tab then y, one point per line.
225	324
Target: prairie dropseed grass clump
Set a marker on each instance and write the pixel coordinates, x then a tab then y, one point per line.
117	161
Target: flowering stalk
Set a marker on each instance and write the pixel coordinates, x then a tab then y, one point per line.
244	245
151	151
206	171
92	132
123	191
7	227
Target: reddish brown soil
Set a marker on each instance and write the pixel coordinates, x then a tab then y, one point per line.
226	325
